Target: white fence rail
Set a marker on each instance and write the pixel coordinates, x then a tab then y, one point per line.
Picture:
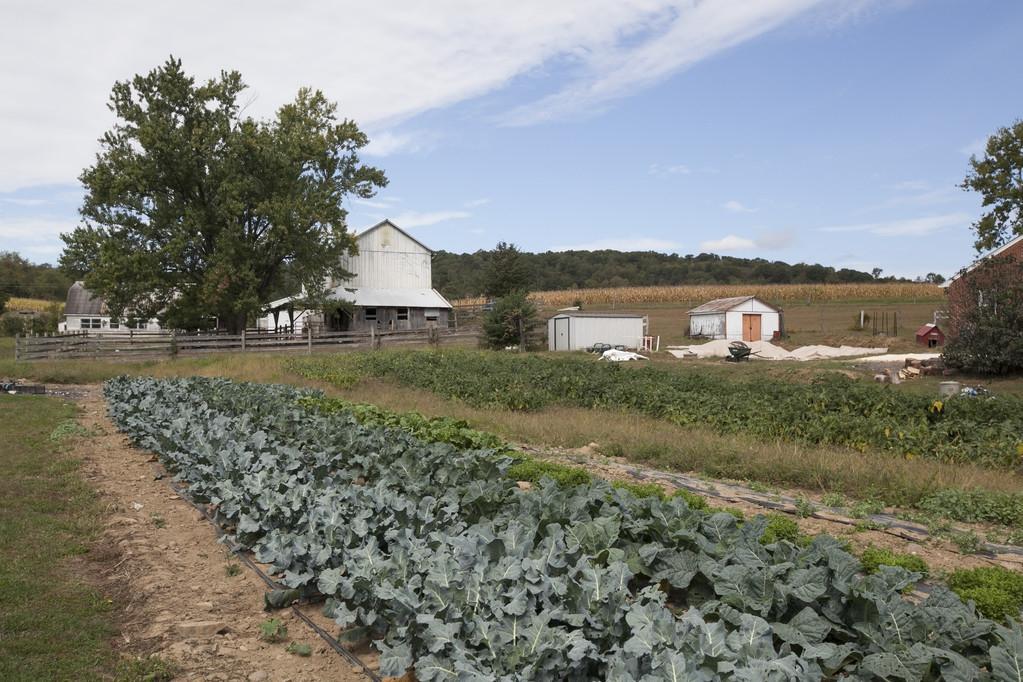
132	345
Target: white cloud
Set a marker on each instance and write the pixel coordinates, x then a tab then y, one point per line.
766	241
737	207
37	238
477	202
383	62
676	169
728	243
630	244
675	38
422	219
910	227
385	203
14	201
388	143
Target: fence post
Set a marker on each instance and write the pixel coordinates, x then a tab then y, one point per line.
309	331
243	340
174	343
17	347
372	338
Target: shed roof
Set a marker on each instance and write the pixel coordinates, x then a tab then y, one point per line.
927	329
606	313
379	298
990	254
80	301
722	305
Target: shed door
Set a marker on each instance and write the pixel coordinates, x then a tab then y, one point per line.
561	334
750	327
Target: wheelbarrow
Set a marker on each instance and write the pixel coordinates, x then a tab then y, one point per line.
738	352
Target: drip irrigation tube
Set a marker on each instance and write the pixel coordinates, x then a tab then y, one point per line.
240	552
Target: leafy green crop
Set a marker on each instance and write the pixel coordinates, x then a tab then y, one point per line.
997	591
832	410
435	554
873	558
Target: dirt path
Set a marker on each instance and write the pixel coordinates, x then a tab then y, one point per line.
187	598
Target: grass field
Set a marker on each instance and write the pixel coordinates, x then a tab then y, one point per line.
52	625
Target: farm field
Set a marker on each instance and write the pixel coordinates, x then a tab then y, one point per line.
830	323
780	294
455	570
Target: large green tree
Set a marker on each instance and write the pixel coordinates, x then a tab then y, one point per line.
507	271
194	211
997	176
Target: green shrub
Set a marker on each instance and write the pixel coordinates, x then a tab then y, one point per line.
874	557
534	470
780	527
997	591
641	489
692	499
975	506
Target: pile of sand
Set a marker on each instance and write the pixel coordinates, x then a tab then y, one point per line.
766	350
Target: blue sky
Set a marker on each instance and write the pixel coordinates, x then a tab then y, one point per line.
795	130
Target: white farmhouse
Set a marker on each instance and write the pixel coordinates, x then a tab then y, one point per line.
83	311
740	318
391	289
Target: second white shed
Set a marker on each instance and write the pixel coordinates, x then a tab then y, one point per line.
575	330
740	318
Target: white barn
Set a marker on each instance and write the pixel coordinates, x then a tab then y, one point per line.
391	288
575	330
740	318
84	311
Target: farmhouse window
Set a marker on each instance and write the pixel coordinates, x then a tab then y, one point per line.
403	314
371	314
432	314
92	323
115	323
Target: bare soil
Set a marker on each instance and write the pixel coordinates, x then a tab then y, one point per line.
160	561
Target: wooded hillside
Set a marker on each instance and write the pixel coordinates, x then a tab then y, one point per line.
458	275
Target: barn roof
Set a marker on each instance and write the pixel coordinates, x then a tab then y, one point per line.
387	221
80	301
927	329
722	305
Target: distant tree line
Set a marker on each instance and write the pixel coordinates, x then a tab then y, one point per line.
21	278
467	274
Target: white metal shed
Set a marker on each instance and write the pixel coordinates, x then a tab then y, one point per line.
740	318
575	330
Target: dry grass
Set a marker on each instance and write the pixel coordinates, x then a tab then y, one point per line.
777	293
650	441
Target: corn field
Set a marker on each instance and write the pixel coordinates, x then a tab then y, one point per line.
17	304
772	293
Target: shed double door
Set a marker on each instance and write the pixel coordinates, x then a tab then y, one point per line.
750	327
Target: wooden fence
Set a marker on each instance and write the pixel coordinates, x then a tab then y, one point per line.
131	345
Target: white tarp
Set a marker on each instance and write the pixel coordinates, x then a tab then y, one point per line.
621	356
766	350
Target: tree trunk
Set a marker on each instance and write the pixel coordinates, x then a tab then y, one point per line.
235	322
